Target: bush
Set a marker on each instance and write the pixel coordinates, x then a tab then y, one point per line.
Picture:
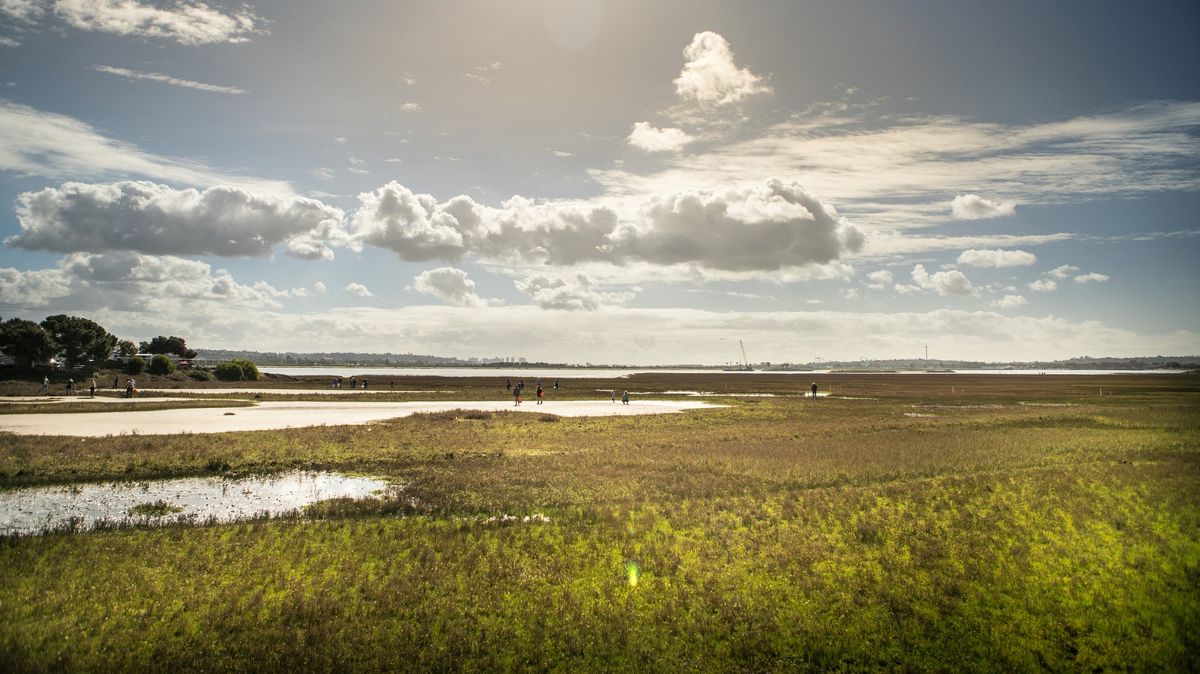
135	365
236	370
199	375
160	364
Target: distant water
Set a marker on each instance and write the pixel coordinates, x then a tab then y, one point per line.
34	509
550	374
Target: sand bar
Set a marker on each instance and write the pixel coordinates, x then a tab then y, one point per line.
271	415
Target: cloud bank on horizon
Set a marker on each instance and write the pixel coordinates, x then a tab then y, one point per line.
735	203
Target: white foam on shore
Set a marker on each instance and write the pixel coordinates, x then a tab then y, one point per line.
272	415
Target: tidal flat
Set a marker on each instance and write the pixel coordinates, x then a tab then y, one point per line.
914	522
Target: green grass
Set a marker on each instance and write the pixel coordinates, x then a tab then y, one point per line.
778	534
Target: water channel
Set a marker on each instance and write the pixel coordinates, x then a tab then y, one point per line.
32	510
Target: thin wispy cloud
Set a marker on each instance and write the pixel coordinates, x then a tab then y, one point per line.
167	79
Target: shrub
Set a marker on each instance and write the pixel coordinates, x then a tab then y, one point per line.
199	375
236	370
135	365
160	364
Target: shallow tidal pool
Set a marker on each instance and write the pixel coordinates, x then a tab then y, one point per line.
33	510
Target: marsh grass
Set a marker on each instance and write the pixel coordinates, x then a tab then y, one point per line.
783	534
159	508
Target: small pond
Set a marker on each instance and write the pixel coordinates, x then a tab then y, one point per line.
33	510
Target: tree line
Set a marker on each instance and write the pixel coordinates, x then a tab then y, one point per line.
76	341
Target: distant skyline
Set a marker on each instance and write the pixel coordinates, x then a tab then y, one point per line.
609	182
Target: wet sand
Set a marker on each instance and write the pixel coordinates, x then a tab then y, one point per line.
272	415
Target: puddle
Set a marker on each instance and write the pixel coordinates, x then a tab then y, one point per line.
199	499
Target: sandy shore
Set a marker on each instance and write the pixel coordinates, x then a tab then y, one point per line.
288	414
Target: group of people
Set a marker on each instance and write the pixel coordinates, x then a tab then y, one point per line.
518	391
70	389
354	382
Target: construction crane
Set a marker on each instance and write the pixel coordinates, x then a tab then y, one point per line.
745	366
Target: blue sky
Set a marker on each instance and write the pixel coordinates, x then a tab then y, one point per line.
607	181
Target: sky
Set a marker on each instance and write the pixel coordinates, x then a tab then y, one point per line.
608	182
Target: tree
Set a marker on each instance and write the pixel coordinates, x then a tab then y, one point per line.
160	364
26	341
126	348
173	345
135	365
79	339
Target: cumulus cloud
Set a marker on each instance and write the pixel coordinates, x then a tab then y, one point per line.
710	76
578	294
975	207
25	11
878	280
653	139
762	228
1043	286
167	79
449	284
189	23
359	289
1063	271
130	281
32	288
152	218
319	287
952	282
996	258
1010	302
1091	278
8	42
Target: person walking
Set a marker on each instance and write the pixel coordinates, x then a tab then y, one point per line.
814	389
541	393
130	387
70	386
92	391
46	385
555	384
507	384
613	395
116	382
625	398
516	395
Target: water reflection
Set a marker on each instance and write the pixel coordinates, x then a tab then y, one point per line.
217	499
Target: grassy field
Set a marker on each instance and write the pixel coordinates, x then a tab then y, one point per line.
929	522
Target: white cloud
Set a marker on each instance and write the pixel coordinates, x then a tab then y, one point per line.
1043	286
578	294
951	282
562	154
996	258
893	174
974	207
167	79
1010	302
359	289
448	284
709	75
850	293
323	173
35	142
652	139
1063	271
32	288
189	23
764	228
1091	278
152	218
8	42
879	279
410	107
25	11
319	287
132	281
